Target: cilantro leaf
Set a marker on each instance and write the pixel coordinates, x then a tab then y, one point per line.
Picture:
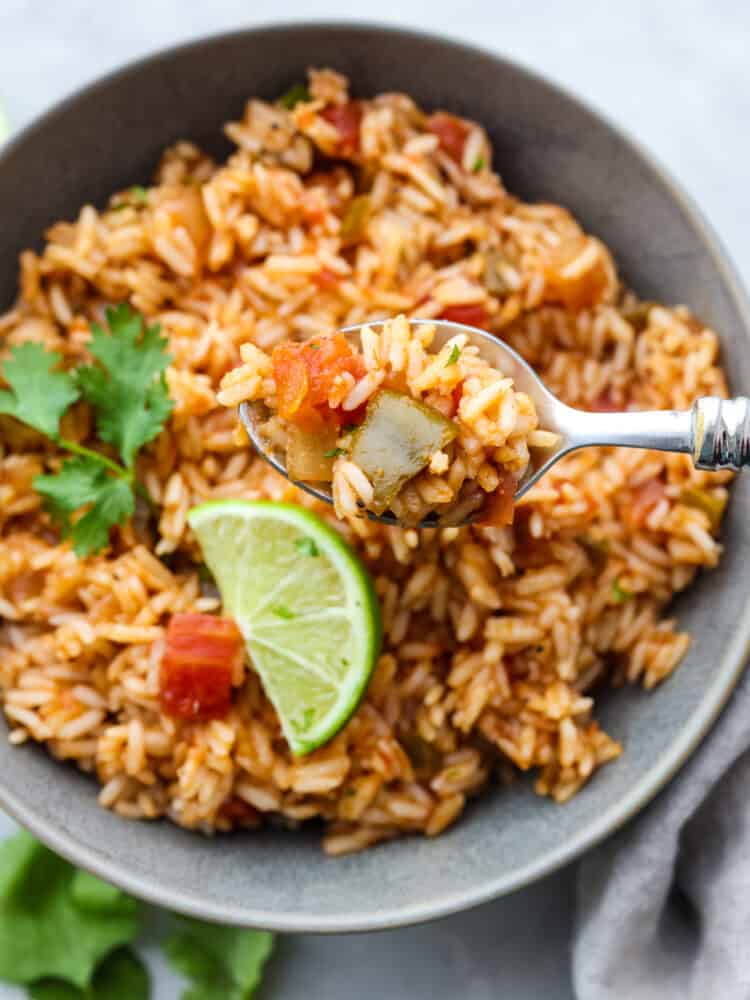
121	976
81	482
224	962
39	394
454	355
334	452
44	929
128	388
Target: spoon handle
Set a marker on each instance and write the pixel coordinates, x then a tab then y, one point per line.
716	432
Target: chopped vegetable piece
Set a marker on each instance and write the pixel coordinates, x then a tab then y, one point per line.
346	119
605	402
493	277
335	452
223	963
499	506
196	670
451	132
473	314
55	921
478	164
326	280
619	593
576	272
705	500
355	218
396	441
309	453
454	355
642	500
297	94
456	395
304	375
597	549
139	194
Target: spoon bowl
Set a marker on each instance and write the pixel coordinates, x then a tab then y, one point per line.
716	432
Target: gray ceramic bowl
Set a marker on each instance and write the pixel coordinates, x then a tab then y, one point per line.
547	146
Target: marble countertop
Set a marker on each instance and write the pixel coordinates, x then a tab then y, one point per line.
675	75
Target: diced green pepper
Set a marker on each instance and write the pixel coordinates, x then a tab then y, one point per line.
396	441
704	500
596	548
355	218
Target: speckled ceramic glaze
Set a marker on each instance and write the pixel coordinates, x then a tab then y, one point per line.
547	146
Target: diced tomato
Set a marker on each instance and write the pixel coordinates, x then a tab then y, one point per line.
451	132
641	501
304	374
326	280
237	811
605	402
472	314
196	669
346	119
500	506
456	395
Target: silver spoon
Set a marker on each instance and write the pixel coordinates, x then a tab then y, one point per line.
715	432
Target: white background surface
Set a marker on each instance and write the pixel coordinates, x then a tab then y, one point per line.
674	73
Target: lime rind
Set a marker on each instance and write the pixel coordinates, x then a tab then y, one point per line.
311	624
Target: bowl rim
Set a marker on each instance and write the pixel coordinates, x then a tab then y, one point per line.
643	791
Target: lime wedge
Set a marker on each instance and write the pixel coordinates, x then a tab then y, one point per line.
305	605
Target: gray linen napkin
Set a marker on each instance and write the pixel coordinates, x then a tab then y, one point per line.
664	906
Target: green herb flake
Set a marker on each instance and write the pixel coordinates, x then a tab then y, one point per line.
478	164
139	194
282	611
454	355
302	725
334	452
619	593
56	923
297	94
225	962
307	546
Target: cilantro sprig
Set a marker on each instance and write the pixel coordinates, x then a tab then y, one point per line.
224	962
127	389
56	923
66	935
